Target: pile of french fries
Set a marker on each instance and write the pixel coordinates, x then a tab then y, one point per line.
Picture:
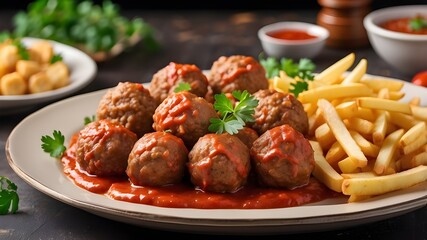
367	142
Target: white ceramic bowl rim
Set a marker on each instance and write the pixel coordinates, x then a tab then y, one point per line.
372	20
318	31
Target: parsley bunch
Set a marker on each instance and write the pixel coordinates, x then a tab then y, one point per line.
233	117
9	198
54	145
302	71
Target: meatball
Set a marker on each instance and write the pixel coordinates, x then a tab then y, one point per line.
185	115
129	104
219	163
247	136
168	78
237	72
103	147
277	108
283	158
157	159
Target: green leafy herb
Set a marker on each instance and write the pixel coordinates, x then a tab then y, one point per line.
233	118
56	58
301	71
90	119
183	86
22	50
54	145
9	199
418	23
95	28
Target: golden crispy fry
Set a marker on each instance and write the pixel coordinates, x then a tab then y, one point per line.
404	121
323	171
377	84
357	73
331	92
333	73
387	151
368	148
420	141
324	136
384	184
380	129
360	125
419	113
348	165
413	133
384	104
335	154
340	132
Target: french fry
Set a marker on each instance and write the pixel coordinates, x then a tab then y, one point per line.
323	171
413	133
347	109
360	125
384	184
419	113
331	92
380	129
324	136
387	151
340	132
404	121
368	148
384	104
357	72
348	165
379	83
416	144
333	73
335	154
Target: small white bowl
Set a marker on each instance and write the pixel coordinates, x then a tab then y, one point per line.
405	52
295	49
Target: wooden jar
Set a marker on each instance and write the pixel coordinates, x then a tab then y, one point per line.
344	20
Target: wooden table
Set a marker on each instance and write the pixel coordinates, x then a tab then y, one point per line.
197	37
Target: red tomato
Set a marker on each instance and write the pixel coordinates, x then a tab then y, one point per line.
420	79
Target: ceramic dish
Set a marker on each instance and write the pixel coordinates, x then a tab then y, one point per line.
45	174
82	72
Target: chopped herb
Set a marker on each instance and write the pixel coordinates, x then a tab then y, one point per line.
90	119
418	23
301	71
233	118
183	86
56	58
9	198
22	50
54	145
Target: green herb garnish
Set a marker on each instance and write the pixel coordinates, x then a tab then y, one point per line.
233	118
56	58
183	86
22	50
54	145
302	71
85	24
90	119
9	198
418	23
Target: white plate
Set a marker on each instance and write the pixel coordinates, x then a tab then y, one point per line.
82	70
45	174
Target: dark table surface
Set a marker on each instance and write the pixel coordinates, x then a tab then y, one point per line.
197	37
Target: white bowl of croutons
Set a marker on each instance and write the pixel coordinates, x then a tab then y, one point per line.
34	72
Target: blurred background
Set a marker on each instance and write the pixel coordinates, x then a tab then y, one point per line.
221	4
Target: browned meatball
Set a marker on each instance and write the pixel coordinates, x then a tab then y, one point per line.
237	72
168	78
103	147
219	163
247	136
129	104
185	115
277	108
157	159
282	158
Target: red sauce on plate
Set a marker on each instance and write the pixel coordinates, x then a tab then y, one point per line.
403	25
185	195
287	34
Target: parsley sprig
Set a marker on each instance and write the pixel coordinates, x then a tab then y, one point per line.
233	117
301	71
418	23
9	198
54	145
183	86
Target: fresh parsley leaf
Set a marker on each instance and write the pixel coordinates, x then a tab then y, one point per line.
9	199
233	118
183	86
417	23
56	58
22	50
90	119
302	71
54	145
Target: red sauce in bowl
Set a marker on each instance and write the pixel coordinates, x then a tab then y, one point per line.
403	25
291	34
185	195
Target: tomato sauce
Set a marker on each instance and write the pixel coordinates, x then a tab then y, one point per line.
403	25
287	34
185	195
